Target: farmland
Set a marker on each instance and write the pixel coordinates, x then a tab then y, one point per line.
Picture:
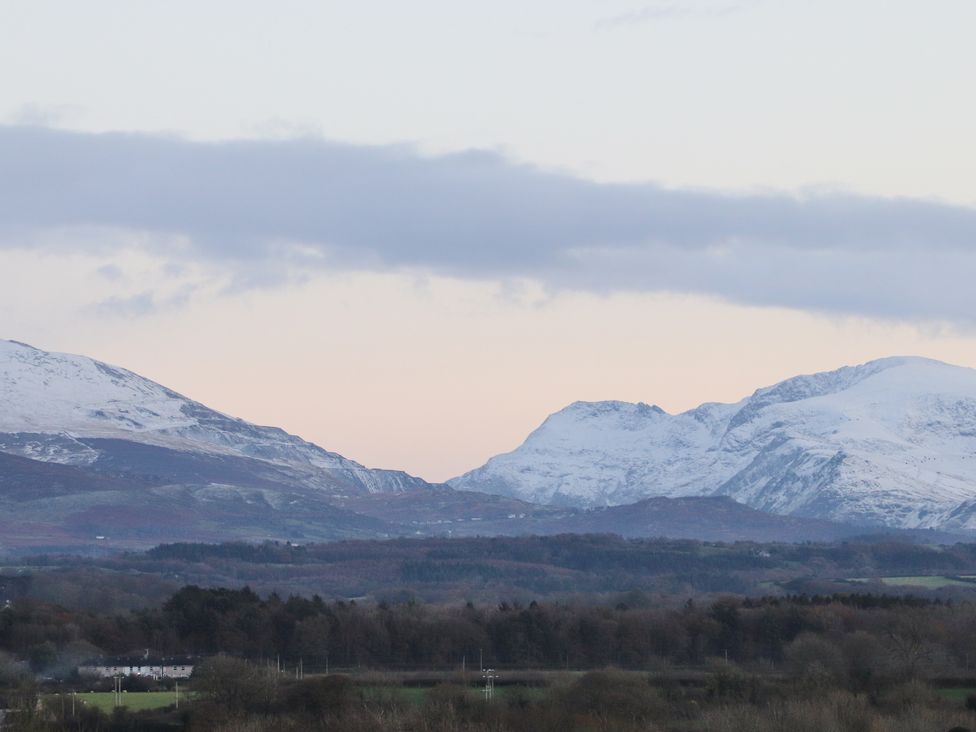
928	582
135	700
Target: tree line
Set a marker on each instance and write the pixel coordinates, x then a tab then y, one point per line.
904	635
441	571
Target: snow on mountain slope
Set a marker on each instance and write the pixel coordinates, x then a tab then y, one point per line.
53	405
890	442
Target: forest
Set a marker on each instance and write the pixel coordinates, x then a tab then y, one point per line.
854	659
540	635
657	644
570	567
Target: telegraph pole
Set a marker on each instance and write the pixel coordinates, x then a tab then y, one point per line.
489	676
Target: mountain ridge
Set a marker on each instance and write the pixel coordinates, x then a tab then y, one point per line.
51	403
91	452
846	445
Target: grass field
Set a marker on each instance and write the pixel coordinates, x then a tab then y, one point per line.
137	701
134	700
929	582
406	694
411	695
956	694
416	695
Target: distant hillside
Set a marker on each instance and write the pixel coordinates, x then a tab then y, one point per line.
68	409
95	458
493	569
889	443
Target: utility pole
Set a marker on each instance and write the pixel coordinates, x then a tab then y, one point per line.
481	661
177	694
489	676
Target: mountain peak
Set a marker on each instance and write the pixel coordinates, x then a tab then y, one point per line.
610	406
19	343
848	376
891	441
53	405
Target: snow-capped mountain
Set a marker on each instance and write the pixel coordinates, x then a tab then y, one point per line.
92	454
891	442
73	410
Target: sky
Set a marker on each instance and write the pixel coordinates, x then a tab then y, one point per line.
410	231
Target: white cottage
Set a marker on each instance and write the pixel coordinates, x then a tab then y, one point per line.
178	667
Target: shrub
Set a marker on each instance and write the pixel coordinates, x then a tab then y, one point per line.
615	695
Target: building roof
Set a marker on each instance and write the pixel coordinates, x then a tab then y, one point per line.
142	661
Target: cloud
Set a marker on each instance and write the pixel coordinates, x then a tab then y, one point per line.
110	272
143	303
266	212
46	115
140	304
671	9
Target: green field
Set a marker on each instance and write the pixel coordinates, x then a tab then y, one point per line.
416	695
134	700
929	582
957	694
411	695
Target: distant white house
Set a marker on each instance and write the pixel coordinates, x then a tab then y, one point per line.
178	667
